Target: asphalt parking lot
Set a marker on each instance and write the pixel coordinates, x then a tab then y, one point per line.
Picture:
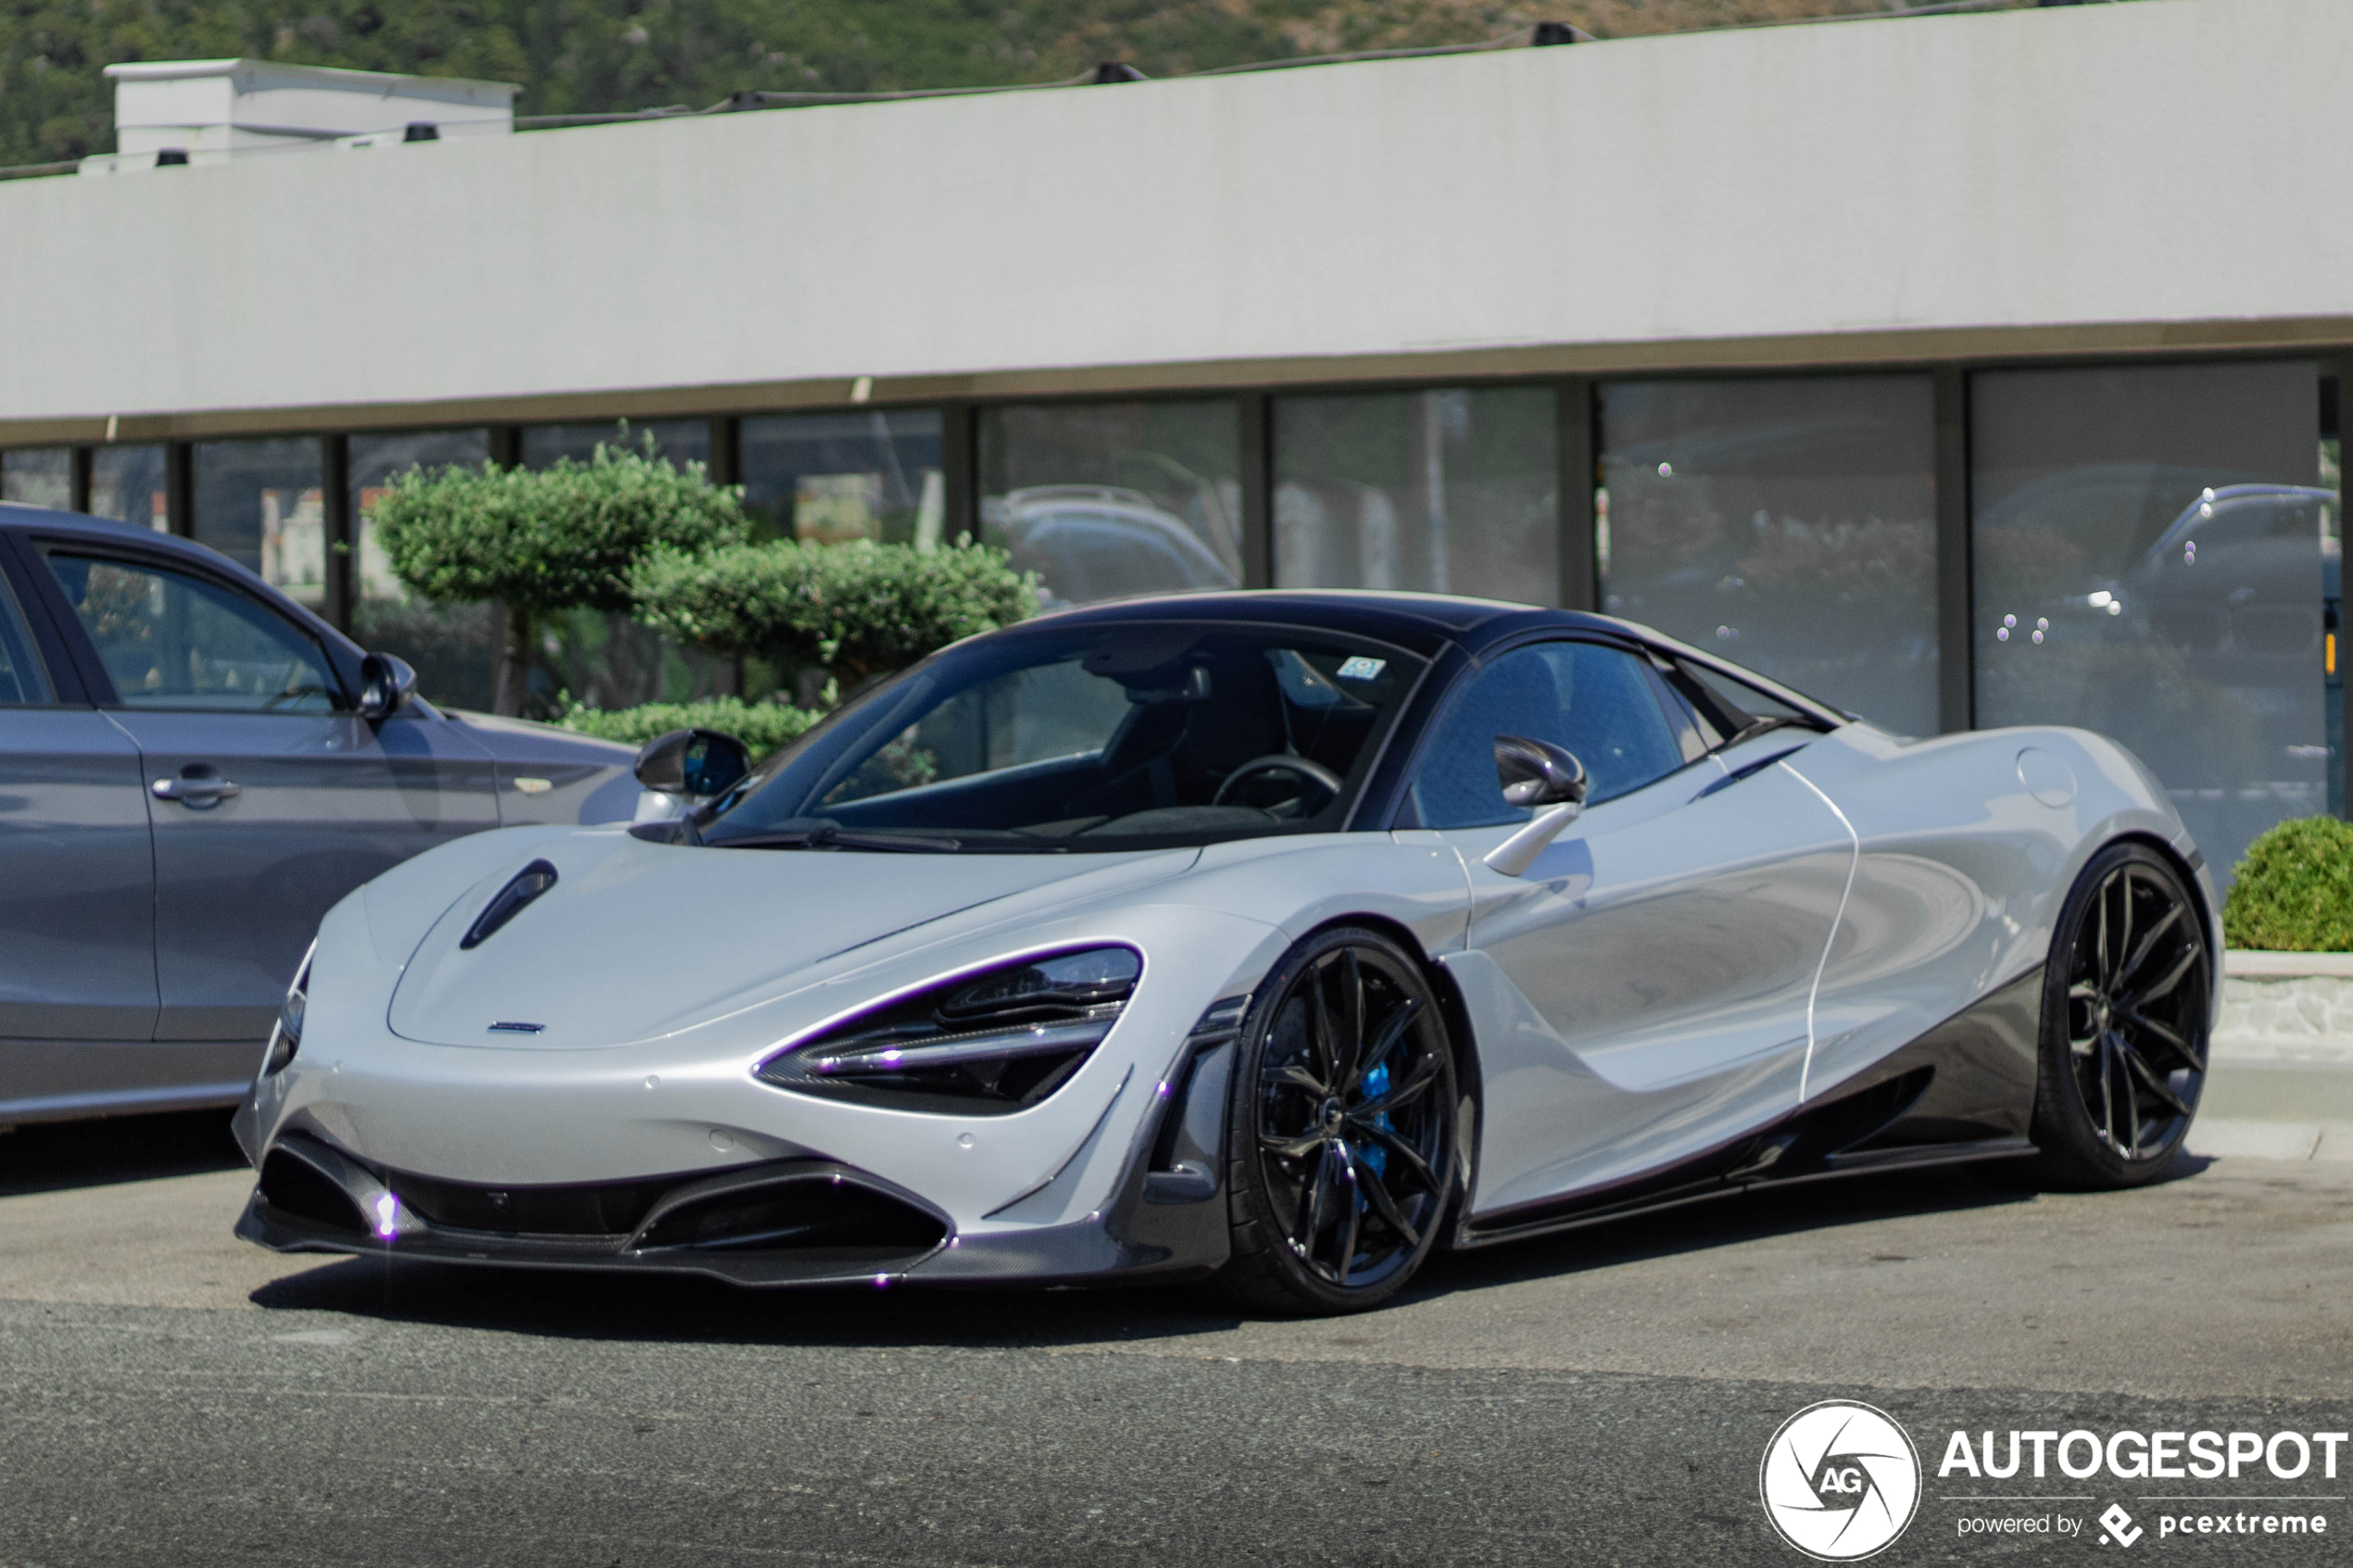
170	1396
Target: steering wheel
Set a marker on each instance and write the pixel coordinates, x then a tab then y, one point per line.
1282	762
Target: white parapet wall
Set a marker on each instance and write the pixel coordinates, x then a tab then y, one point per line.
2161	171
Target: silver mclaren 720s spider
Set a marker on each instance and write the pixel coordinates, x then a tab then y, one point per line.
1275	938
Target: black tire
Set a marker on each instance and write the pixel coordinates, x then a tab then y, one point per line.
2125	1014
1339	1129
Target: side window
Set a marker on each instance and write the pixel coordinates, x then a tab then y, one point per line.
1724	708
1596	701
23	682
171	639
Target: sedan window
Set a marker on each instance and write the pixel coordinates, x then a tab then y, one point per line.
1594	700
171	639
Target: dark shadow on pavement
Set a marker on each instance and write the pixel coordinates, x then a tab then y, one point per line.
588	1305
52	1155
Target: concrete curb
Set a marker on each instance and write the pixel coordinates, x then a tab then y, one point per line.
2223	1138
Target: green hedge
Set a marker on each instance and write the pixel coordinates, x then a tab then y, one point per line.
763	726
857	610
2294	891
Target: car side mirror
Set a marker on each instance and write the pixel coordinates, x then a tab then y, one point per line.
696	763
1535	772
387	683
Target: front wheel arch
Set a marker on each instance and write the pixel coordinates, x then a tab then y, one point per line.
1301	1181
1461	1038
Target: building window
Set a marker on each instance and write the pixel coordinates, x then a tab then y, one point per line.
2149	544
1443	492
128	484
1107	499
260	503
1788	524
681	440
38	476
833	478
454	647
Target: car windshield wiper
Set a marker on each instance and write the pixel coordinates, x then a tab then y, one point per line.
822	833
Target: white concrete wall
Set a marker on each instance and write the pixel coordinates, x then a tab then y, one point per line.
2168	160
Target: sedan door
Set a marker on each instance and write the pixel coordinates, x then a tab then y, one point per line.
270	799
77	886
1641	989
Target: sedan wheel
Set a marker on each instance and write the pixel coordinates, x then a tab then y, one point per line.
2125	1011
1343	1126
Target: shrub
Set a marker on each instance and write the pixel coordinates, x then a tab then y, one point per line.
2295	890
763	726
541	541
855	610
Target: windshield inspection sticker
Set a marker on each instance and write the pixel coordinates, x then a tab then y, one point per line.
1362	669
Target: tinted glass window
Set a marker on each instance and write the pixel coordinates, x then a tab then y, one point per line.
38	476
1447	492
1098	737
454	647
260	503
828	479
1595	701
1722	708
22	683
1785	522
2152	547
172	640
1107	499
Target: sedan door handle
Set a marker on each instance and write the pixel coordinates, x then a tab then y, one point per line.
197	792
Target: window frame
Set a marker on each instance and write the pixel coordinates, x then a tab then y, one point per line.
99	681
50	644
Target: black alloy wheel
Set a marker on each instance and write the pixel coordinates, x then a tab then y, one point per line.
2125	1014
1341	1128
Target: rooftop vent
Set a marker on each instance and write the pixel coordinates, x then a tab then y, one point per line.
210	111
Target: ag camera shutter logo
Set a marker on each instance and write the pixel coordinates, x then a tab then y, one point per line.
1840	1480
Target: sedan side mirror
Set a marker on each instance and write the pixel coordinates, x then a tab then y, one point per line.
387	683
1535	772
696	763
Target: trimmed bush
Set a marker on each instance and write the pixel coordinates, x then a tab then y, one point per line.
2293	892
545	540
855	610
763	726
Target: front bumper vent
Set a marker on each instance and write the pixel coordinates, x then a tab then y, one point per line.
786	1222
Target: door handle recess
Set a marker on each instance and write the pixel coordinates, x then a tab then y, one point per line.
197	792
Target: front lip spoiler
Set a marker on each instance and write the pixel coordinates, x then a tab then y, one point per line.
413	1236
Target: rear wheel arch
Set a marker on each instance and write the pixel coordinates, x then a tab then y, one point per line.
2208	919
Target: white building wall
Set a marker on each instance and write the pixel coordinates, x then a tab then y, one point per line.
2166	161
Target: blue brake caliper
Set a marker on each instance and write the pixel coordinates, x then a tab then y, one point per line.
1374	1155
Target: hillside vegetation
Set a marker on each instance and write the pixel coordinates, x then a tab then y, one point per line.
575	57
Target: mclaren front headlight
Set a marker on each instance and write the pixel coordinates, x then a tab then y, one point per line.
286	1037
981	1045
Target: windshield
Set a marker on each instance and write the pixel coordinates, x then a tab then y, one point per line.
1139	734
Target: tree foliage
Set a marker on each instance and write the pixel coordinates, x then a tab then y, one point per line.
2293	892
543	540
763	726
855	610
